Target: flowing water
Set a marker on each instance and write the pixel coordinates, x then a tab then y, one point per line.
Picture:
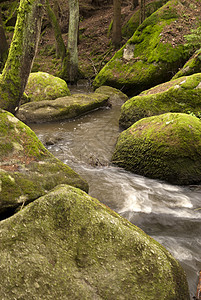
168	213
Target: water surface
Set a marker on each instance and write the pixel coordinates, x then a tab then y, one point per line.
168	213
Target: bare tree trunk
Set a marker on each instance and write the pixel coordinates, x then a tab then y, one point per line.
3	45
21	54
60	46
116	36
69	70
73	39
142	10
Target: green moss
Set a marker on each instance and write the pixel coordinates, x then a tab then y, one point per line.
35	67
166	147
77	248
5	148
43	86
55	172
10	191
153	60
62	108
14	132
192	66
180	95
18	189
16	51
110	29
10	12
32	169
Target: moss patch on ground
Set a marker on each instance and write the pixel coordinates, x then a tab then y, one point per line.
69	245
179	95
166	147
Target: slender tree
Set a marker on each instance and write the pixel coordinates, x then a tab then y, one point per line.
70	64
116	34
56	9
21	53
3	44
142	10
72	39
60	46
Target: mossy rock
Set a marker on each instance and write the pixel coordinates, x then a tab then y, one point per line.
130	27
192	66
63	108
67	245
165	147
115	96
179	95
43	86
27	169
151	56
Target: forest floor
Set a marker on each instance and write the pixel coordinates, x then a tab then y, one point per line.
95	48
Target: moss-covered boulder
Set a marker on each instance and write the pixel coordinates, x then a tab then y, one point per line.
154	52
43	86
129	28
27	169
67	245
179	95
166	147
192	66
115	96
61	108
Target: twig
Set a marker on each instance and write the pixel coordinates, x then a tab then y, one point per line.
95	70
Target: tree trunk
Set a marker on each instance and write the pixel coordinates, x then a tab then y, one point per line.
60	46
72	39
134	4
3	45
142	10
21	54
70	64
116	36
56	9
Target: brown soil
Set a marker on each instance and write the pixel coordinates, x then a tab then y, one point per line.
95	48
175	32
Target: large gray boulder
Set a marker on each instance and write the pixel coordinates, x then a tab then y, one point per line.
63	108
154	52
179	95
27	169
166	147
67	245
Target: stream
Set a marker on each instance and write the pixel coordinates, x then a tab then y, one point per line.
168	213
